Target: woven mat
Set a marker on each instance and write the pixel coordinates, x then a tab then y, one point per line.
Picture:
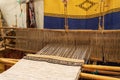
40	70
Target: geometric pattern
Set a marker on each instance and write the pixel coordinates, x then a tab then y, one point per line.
86	5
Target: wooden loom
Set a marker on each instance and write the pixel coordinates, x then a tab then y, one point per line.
104	44
98	42
67	47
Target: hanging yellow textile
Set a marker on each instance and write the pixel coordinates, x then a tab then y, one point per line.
80	8
82	14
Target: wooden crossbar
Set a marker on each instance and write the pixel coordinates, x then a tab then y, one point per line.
96	77
8	61
100	67
56	58
63	30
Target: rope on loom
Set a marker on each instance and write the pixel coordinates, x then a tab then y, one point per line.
100	17
101	27
65	13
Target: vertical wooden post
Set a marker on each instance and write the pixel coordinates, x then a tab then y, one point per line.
2	67
0	20
65	13
103	18
2	32
99	23
27	15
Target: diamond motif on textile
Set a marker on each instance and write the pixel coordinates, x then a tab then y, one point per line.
86	5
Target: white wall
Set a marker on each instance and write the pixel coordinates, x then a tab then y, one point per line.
12	8
39	12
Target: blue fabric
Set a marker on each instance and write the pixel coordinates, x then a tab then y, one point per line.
112	21
83	23
53	23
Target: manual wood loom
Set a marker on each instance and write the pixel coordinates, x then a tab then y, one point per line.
104	43
91	38
97	43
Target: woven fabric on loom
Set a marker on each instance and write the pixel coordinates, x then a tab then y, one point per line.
107	45
35	39
111	46
40	70
102	44
62	54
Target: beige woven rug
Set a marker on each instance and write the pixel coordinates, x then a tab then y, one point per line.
40	70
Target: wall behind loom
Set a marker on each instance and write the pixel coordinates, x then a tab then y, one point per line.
82	14
11	8
39	12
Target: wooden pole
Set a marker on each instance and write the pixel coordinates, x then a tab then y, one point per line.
30	51
2	32
65	13
99	67
61	30
102	72
96	77
8	61
103	16
56	58
97	59
100	18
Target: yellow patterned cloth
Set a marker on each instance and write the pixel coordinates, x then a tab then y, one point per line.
80	9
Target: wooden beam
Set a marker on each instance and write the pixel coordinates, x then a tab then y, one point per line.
11	59
99	59
56	58
62	30
8	61
6	27
96	77
100	67
102	72
31	51
10	37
